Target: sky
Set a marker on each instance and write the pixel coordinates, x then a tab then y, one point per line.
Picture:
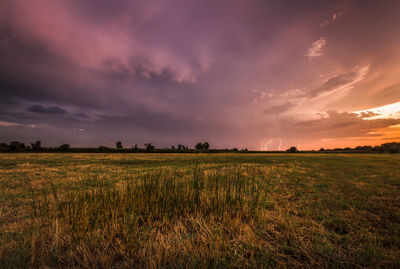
256	74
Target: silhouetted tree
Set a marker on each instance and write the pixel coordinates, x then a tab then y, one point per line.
292	149
182	147
103	149
118	145
3	147
64	147
149	147
202	146
394	149
321	149
391	147
370	148
135	148
206	146
16	146
199	146
37	146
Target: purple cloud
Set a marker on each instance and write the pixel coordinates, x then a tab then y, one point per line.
231	72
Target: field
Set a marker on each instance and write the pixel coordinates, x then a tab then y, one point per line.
199	210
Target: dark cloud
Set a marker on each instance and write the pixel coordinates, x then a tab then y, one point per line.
82	115
162	123
50	110
136	71
181	71
17	116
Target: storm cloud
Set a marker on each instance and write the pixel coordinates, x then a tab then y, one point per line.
233	73
51	110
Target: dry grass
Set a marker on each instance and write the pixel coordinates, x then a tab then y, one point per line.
199	210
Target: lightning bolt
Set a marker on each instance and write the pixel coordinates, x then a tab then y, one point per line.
280	144
266	144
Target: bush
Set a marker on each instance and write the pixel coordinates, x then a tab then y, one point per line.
3	147
64	147
37	146
118	145
292	149
149	147
103	149
16	146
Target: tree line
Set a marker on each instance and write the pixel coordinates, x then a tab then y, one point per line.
392	147
16	146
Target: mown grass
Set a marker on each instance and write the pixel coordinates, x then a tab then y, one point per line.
199	210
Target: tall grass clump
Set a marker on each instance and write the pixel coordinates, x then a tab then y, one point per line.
155	201
158	195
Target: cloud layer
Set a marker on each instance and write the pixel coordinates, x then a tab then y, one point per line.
235	73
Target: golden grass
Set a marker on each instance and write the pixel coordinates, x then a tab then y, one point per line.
199	210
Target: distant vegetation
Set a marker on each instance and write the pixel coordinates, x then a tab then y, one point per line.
202	146
16	146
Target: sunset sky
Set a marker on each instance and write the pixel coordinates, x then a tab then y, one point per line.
260	74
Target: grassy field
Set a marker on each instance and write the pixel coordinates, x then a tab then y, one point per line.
199	210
